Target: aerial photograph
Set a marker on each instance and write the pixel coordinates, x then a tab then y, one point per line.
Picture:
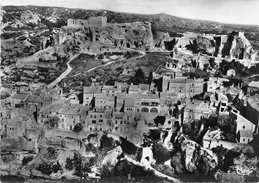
129	91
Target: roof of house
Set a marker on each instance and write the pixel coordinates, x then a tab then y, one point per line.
143	87
254	84
22	111
150	96
134	88
246	133
118	115
19	96
129	102
110	88
103	96
91	89
74	109
14	121
121	95
221	97
31	98
193	105
98	110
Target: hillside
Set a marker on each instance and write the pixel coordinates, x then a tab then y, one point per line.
57	16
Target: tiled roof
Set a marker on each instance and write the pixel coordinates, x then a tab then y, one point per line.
129	102
31	98
118	115
143	87
133	88
19	96
103	96
92	89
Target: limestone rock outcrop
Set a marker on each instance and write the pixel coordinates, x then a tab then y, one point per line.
232	46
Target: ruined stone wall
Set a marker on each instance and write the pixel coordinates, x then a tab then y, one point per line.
98	22
77	23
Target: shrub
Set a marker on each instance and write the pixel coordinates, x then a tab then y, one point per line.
26	160
78	127
160	153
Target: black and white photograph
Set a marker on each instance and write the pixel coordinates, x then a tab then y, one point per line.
134	91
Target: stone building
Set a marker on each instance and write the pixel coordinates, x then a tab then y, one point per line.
183	86
98	22
97	120
89	93
196	110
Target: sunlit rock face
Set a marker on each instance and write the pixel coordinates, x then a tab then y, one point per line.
131	35
232	46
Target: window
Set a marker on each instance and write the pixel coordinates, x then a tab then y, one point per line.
243	140
101	116
100	120
116	122
190	117
144	109
91	116
154	110
101	129
137	110
93	122
94	116
90	128
169	122
244	127
121	122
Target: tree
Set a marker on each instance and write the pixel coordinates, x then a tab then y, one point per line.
161	154
159	119
78	127
138	78
52	122
150	78
140	74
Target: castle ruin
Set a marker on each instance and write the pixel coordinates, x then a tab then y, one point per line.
98	22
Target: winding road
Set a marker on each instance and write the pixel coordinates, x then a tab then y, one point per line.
64	74
69	68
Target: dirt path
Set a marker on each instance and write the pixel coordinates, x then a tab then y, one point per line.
69	68
64	74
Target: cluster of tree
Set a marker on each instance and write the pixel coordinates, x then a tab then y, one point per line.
79	164
240	69
49	167
26	160
107	142
225	157
78	127
160	153
140	78
226	124
51	122
192	130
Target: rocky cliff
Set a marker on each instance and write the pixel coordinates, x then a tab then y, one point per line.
233	46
